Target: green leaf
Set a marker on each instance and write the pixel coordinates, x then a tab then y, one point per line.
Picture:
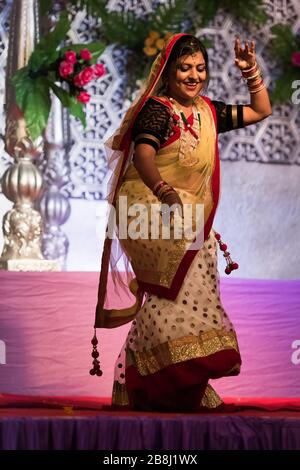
250	11
124	28
45	6
76	109
32	96
283	43
95	48
168	17
20	76
283	89
61	94
45	51
207	9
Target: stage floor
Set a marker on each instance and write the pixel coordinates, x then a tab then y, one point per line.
22	406
81	423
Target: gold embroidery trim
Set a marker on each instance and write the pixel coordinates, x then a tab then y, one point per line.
234	116
182	349
165	278
210	398
119	394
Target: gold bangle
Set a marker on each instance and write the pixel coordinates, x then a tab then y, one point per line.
251	68
257	74
156	186
166	188
166	193
258	89
255	84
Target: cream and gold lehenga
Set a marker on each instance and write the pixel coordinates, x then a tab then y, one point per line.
180	335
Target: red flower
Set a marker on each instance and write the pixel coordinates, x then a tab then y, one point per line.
83	97
70	56
85	54
176	117
296	58
65	69
99	70
84	77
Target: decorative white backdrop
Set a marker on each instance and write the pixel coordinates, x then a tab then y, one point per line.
258	214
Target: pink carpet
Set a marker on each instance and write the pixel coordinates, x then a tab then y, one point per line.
46	324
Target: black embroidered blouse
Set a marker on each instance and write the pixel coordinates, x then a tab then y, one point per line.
153	125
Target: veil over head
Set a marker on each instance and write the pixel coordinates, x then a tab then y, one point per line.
119	150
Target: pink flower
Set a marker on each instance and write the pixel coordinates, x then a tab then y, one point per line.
65	69
83	97
70	56
84	77
296	58
85	54
99	70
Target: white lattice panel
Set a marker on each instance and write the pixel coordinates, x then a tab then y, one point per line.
4	25
275	140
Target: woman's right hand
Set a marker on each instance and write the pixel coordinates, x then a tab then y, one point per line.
169	200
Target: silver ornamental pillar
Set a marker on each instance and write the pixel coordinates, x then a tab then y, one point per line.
54	205
22	181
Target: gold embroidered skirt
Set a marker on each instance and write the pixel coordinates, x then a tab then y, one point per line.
188	341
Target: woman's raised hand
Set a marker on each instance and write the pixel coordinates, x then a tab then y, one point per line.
244	56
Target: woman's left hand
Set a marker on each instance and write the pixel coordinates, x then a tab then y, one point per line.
244	57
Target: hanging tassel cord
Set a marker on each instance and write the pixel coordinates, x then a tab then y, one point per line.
96	370
230	265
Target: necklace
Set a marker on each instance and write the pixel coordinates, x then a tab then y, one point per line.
189	135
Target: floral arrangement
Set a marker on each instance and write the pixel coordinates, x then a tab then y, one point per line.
140	34
141	38
295	58
65	71
154	43
76	70
286	47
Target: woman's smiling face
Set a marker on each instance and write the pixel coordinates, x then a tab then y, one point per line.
187	77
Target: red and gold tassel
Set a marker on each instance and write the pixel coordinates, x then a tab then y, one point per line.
230	265
96	370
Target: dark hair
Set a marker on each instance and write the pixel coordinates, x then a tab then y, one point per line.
186	45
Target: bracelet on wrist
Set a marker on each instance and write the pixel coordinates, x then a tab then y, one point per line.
253	77
163	191
250	69
158	186
255	83
163	198
256	90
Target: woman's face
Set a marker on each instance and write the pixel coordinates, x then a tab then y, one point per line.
186	77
